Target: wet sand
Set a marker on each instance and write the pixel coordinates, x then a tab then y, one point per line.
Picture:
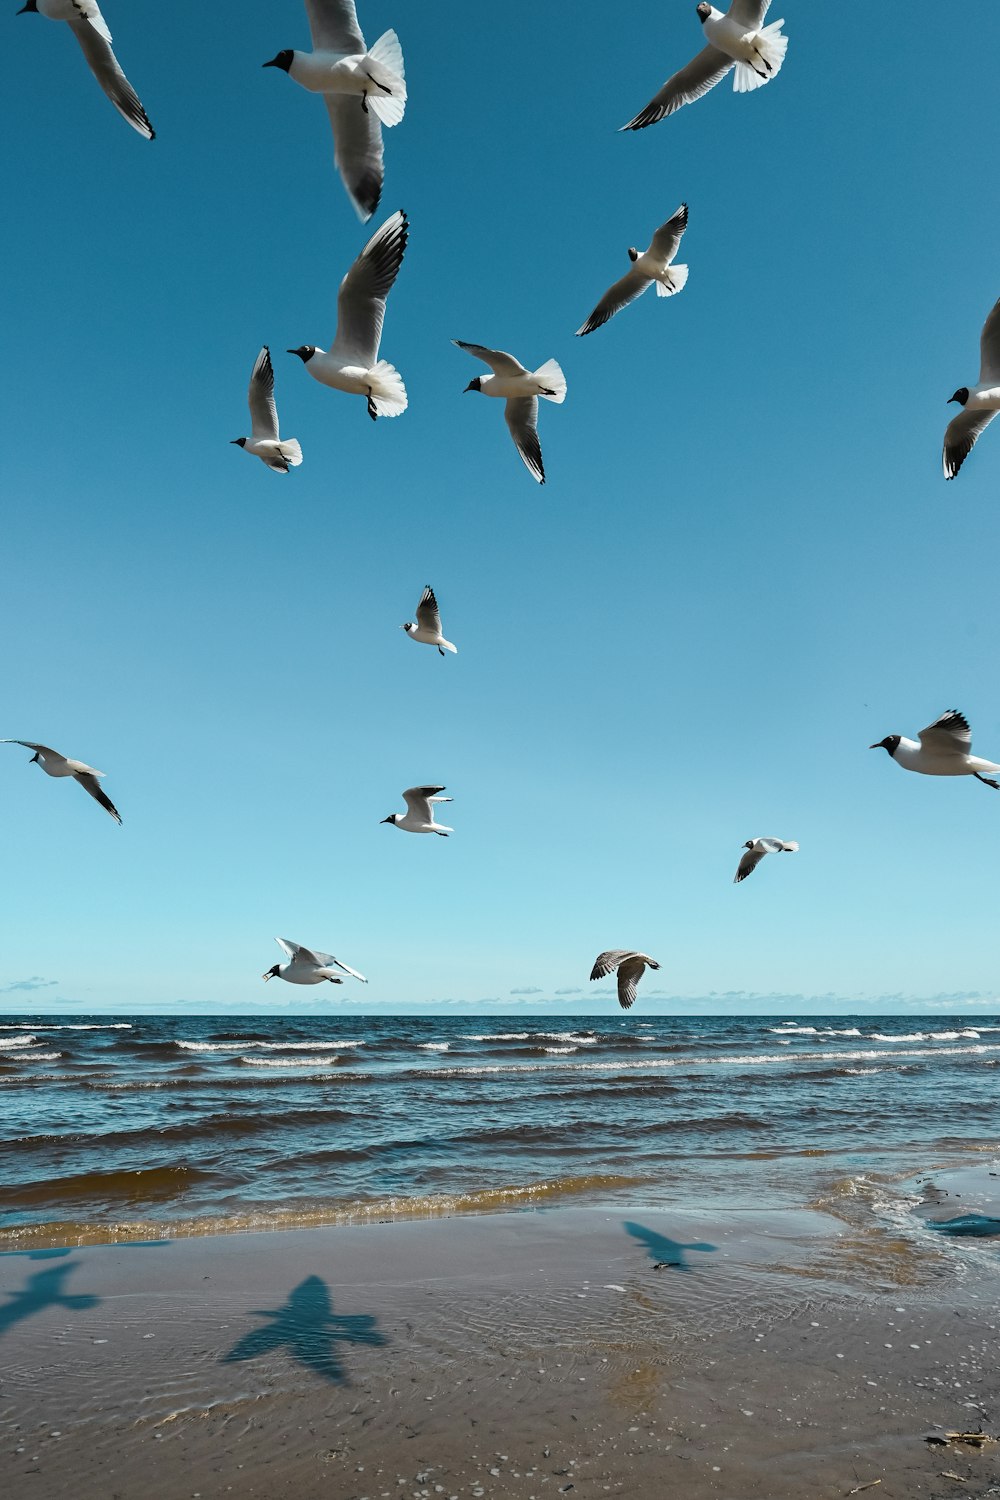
774	1354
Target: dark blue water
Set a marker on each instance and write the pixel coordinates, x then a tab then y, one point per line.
228	1122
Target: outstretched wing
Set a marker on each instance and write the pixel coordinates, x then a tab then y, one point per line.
521	413
334	27
363	292
606	963
629	974
751	859
700	75
263	412
418	800
989	347
90	784
667	239
628	289
749	13
357	151
30	745
962	435
428	614
104	65
499	363
948	735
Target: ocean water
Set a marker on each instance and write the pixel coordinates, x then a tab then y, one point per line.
114	1128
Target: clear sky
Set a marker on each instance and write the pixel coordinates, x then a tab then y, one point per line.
745	566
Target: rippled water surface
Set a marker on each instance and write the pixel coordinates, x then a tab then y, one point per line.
226	1122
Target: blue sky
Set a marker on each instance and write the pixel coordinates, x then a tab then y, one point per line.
745	566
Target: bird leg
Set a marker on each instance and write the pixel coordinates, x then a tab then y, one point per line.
364	101
372	412
440	651
379	85
986	781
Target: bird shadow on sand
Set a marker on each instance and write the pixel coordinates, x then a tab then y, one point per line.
309	1331
43	1289
663	1250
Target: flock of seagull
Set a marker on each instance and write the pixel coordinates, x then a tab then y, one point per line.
364	89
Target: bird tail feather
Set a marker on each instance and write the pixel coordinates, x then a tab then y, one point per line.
790	847
291	452
771	47
554	379
677	276
388	391
385	65
447	646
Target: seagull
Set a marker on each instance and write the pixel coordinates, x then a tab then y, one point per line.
427	626
631	967
265	443
738	39
364	89
756	849
649	266
352	364
521	388
944	750
54	764
91	31
980	405
308	966
419	816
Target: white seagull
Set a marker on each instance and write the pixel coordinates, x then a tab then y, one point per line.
426	628
265	442
980	404
945	749
308	966
419	816
54	764
521	389
756	849
363	88
648	267
630	965
91	30
352	363
737	39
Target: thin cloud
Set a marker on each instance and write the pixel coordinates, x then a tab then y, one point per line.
527	992
576	991
34	983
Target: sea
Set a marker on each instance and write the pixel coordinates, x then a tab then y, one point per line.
155	1126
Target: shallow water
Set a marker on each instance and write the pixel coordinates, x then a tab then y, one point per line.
211	1123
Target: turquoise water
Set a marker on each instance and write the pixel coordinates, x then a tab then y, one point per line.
175	1124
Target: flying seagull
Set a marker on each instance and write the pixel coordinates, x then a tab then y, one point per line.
631	967
352	363
521	388
648	267
979	405
308	966
91	30
427	626
54	764
419	816
756	849
364	89
737	39
265	442
945	749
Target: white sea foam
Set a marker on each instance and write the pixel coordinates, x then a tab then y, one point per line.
560	1050
498	1036
69	1026
434	1046
35	1056
325	1061
18	1041
792	1026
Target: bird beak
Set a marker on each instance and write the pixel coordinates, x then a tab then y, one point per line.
266	976
947	403
470	387
385	820
874	747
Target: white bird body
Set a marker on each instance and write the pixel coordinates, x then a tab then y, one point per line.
426	628
944	748
980	403
755	851
737	40
54	764
352	363
650	267
91	31
419	816
520	388
363	87
308	966
265	442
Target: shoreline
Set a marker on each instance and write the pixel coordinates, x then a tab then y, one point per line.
774	1353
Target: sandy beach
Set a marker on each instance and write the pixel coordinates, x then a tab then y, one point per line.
580	1351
